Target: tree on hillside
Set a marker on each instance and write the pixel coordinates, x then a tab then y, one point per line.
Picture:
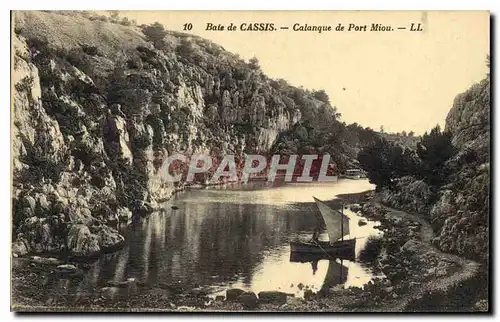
434	149
185	48
375	160
155	32
114	14
385	161
321	95
254	63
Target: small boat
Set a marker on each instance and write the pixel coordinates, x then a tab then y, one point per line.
354	174
340	249
337	226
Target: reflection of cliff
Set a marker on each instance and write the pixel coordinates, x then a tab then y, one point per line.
243	234
205	242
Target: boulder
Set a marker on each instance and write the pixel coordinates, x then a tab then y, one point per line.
29	202
481	306
126	283
248	300
112	219
109	292
144	208
308	294
20	247
232	294
79	214
294	301
412	246
362	222
109	237
81	242
124	214
272	297
66	268
45	260
42	205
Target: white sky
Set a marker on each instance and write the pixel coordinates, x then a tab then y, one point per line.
401	80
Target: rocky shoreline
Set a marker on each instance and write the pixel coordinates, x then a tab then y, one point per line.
89	237
405	256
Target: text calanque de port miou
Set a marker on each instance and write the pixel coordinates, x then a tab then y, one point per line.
306	27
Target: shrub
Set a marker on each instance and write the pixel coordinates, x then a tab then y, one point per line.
372	249
90	50
154	32
434	150
185	48
322	96
253	63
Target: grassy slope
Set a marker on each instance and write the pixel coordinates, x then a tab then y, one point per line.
72	29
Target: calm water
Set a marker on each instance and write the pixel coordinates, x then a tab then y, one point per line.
234	236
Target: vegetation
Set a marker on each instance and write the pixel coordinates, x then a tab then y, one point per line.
372	249
447	175
154	32
254	63
434	150
321	95
387	161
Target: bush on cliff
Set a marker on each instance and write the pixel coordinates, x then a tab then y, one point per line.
154	32
372	249
434	150
409	193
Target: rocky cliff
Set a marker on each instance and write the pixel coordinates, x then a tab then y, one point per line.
463	208
459	207
98	107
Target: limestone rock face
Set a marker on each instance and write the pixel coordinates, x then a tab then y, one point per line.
35	134
462	211
469	118
116	134
459	209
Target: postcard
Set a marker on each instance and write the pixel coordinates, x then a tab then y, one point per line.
250	161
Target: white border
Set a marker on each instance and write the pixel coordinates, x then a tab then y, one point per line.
492	5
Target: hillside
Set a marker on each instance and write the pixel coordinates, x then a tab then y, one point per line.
405	140
463	209
99	105
448	178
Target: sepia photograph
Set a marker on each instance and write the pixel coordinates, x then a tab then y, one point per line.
250	161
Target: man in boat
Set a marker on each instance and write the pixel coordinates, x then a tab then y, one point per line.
315	236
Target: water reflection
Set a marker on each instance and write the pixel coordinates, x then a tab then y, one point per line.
232	237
